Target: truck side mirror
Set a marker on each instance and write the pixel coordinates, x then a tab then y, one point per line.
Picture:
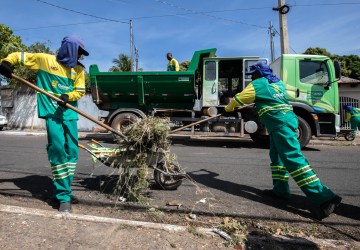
337	69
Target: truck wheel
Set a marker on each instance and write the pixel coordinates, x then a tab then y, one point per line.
123	120
304	132
167	182
261	139
304	135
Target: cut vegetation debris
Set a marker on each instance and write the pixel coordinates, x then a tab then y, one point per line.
146	145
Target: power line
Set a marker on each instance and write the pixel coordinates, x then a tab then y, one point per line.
60	25
178	14
279	35
205	13
81	13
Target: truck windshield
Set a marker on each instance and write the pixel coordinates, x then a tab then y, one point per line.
314	72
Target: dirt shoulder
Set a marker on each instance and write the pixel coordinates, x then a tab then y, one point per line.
23	230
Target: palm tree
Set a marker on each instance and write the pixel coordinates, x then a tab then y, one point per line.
122	64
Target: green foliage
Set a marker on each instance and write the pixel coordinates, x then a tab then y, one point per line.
122	64
38	47
10	43
317	51
350	64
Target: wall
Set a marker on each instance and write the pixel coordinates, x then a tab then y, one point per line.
347	90
23	113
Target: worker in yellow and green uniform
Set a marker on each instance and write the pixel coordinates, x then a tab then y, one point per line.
172	65
269	95
61	75
352	114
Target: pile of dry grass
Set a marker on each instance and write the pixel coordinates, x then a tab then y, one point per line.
145	138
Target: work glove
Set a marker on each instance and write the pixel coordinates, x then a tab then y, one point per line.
64	99
5	69
229	108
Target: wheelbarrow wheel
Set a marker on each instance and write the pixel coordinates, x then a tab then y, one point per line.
168	178
349	136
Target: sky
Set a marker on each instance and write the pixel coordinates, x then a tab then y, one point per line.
234	27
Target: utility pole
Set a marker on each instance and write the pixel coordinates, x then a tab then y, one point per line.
272	34
137	58
284	38
131	45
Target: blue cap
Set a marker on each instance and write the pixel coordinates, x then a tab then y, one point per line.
259	66
348	107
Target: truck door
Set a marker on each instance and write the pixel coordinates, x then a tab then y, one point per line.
210	84
312	77
246	66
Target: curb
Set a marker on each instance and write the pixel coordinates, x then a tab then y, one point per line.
30	133
305	241
92	135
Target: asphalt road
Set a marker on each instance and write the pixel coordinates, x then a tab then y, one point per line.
226	178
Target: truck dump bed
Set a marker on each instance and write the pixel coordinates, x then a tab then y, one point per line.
146	90
142	90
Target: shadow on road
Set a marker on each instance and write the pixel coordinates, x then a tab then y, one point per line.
38	186
297	204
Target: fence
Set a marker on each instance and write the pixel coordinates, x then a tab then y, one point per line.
343	100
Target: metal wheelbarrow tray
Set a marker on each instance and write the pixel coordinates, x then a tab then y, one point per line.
167	173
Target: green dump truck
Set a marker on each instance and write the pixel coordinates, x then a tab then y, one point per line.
203	90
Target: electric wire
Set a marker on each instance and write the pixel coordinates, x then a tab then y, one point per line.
82	13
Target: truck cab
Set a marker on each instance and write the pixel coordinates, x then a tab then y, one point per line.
312	89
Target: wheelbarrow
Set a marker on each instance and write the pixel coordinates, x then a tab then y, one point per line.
167	173
347	133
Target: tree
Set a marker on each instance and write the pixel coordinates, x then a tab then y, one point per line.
122	64
9	42
350	65
317	51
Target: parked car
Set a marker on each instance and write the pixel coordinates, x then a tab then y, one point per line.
3	122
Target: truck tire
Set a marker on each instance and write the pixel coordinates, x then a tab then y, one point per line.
303	135
261	139
123	120
304	132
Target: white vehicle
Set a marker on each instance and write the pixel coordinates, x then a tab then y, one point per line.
3	122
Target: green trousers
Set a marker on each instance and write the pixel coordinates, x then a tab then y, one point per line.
287	159
62	149
355	124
